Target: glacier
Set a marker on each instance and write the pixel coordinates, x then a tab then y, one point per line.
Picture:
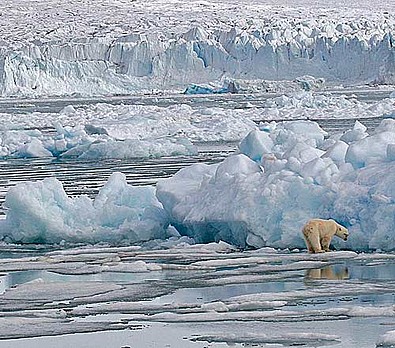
100	67
284	174
144	53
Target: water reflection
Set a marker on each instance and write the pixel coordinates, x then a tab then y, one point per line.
15	278
329	273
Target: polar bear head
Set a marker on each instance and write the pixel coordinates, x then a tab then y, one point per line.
341	232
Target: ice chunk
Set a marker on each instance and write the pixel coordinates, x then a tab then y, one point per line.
34	148
256	144
388	124
369	149
310	130
391	152
337	152
355	134
183	183
67	110
235	166
303	152
41	212
133	149
195	89
235	202
321	169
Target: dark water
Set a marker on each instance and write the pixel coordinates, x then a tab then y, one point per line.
87	177
340	125
228	101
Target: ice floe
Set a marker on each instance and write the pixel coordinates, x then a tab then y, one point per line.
300	338
104	131
286	173
52	295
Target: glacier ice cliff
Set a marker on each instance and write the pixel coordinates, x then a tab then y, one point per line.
144	63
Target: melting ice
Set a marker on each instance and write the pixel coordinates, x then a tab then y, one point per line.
284	174
103	131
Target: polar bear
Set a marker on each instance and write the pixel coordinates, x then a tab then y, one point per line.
318	234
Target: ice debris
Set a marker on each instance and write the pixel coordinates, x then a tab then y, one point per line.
285	174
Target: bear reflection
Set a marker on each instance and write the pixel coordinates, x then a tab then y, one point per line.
329	272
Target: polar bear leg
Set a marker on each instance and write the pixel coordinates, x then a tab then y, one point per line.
315	243
310	248
325	241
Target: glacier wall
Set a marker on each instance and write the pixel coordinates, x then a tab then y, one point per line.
342	53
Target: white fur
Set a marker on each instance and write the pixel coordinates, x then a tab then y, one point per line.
318	234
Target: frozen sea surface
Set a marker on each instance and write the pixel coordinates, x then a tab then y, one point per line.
191	296
170	293
174	294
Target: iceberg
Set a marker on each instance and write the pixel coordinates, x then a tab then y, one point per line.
130	148
259	197
264	200
229	87
89	143
127	131
41	212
